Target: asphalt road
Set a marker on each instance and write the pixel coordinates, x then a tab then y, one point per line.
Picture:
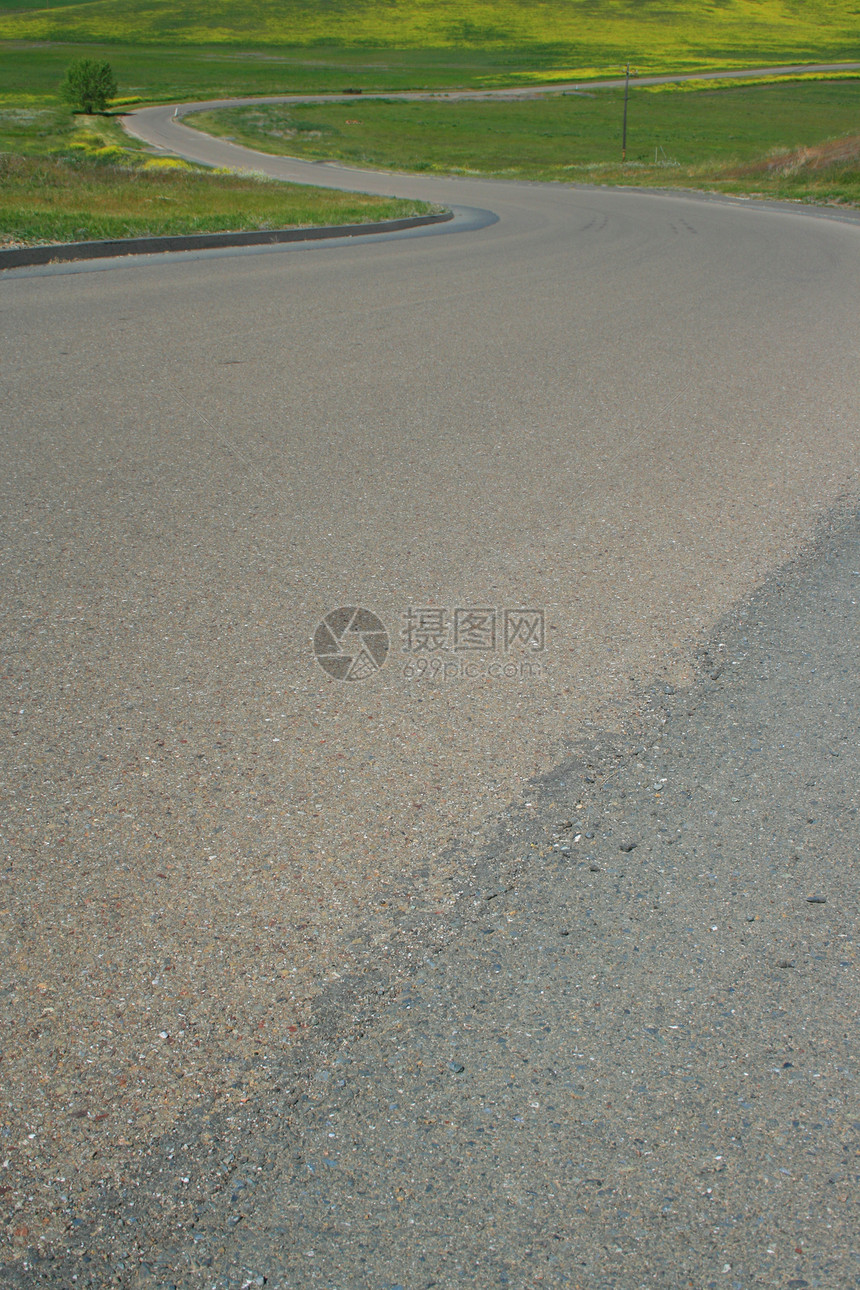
638	1065
530	91
617	410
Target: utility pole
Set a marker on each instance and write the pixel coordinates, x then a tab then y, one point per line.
624	127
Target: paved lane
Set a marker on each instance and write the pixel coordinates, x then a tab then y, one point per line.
621	409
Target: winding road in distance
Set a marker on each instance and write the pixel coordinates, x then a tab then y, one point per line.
550	453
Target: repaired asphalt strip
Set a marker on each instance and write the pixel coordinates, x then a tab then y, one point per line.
636	1065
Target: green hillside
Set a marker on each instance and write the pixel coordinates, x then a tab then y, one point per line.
576	36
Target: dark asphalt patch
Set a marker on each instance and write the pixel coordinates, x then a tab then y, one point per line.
649	1100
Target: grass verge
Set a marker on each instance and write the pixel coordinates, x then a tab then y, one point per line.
46	200
827	175
67	178
728	138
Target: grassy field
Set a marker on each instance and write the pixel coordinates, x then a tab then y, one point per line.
66	178
725	137
54	199
541	138
160	74
514	37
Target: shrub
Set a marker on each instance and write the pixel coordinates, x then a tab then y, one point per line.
89	84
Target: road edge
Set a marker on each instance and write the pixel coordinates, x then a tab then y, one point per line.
66	252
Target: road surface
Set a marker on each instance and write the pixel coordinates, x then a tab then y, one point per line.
550	455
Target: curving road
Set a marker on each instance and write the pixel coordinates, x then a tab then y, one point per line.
624	410
530	91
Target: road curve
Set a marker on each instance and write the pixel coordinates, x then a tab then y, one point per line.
160	126
621	411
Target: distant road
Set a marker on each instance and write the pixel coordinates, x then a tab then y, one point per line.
525	91
161	126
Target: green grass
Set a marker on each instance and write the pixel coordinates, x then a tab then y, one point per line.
46	130
74	199
543	138
21	7
76	178
721	138
826	175
579	35
160	74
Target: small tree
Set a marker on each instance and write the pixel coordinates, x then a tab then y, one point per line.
89	84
